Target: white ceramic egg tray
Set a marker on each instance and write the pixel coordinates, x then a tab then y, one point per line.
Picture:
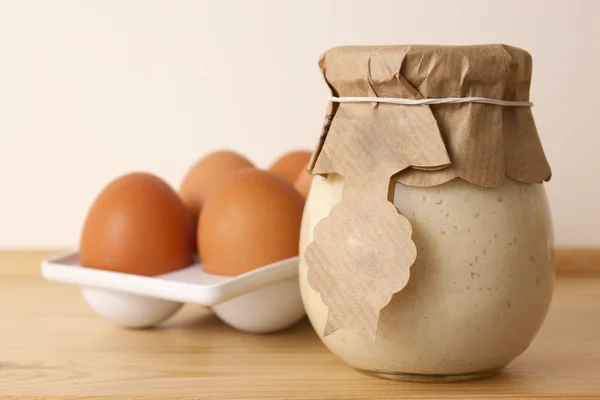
263	300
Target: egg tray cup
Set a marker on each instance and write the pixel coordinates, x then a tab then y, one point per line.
264	300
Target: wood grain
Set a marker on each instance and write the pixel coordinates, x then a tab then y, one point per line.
53	346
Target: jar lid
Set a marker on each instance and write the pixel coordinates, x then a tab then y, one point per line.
480	143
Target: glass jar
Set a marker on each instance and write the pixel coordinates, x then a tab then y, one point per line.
478	291
482	281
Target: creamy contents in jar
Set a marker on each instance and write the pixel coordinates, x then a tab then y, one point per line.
478	291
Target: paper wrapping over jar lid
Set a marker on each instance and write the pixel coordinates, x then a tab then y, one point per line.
485	142
362	252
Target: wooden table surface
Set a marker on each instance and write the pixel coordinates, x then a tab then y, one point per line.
53	346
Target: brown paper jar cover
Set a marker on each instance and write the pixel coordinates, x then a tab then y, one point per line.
485	143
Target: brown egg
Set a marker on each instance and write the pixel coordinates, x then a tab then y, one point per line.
303	182
251	220
137	225
205	175
290	165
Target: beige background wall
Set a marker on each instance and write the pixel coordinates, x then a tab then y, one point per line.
93	89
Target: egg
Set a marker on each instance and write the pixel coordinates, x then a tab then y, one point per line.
205	175
251	219
303	182
137	225
290	165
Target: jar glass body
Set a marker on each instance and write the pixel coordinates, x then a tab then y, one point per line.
478	292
